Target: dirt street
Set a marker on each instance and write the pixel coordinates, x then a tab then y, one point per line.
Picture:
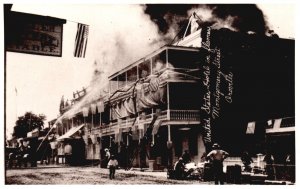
86	175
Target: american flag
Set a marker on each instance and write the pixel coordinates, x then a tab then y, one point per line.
81	40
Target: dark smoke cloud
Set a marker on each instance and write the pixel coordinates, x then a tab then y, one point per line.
163	14
238	17
248	17
171	19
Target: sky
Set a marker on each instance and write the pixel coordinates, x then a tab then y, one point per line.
119	35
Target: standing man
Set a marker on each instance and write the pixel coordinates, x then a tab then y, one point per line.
247	160
217	156
24	153
68	153
269	159
112	165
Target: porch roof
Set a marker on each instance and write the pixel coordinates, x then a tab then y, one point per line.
70	132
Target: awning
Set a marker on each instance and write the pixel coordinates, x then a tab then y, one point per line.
70	133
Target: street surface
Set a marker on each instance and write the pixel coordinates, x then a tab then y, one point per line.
87	175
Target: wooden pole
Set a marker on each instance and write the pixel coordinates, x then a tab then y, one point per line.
169	133
100	120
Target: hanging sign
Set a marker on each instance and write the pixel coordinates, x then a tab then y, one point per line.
33	34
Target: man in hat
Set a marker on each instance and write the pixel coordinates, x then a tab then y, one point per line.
112	165
23	153
217	156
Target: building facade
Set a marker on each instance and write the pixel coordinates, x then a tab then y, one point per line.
212	86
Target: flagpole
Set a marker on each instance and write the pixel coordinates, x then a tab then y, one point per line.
187	26
93	138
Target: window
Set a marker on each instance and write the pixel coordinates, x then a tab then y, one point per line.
188	99
183	59
131	75
113	84
159	62
288	122
121	80
144	69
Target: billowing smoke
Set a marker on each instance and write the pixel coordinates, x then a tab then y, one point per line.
122	36
239	17
171	19
125	35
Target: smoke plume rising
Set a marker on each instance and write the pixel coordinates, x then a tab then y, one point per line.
123	35
238	17
133	32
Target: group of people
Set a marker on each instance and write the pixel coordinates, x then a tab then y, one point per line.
269	160
215	157
289	164
21	155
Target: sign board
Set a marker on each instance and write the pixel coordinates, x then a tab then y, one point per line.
33	34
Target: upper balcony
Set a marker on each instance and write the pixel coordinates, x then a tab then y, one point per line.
182	62
166	117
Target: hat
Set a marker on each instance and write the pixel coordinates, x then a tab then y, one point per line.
105	149
215	145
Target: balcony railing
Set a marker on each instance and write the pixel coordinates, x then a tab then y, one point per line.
174	115
166	115
185	115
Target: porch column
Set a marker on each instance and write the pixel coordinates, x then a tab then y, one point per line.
93	111
85	113
168	102
100	147
169	133
169	148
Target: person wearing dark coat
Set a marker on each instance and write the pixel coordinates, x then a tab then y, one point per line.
186	157
247	160
179	169
23	154
112	166
270	171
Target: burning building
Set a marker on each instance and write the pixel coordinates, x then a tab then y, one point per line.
215	85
